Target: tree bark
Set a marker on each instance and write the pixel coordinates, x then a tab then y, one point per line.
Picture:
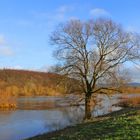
87	106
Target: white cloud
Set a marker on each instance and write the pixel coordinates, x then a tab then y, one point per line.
57	15
45	68
2	40
73	18
60	14
132	29
134	73
48	20
17	67
24	23
63	9
5	49
99	12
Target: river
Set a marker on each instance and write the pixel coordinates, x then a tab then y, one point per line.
36	115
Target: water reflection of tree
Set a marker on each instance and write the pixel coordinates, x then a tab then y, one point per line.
105	104
69	116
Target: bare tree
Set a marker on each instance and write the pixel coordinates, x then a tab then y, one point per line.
92	52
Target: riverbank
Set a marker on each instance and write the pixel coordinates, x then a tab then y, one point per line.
123	124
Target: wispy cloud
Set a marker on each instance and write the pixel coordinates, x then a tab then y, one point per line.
2	40
64	9
17	67
59	14
99	12
134	73
45	68
24	22
132	28
5	49
50	19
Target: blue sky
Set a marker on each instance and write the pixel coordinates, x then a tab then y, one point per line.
25	26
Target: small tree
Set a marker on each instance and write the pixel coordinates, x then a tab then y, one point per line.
92	52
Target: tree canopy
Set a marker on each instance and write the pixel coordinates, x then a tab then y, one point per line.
92	52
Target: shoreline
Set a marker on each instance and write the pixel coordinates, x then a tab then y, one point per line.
71	132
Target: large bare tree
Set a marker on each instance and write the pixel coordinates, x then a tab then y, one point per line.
92	52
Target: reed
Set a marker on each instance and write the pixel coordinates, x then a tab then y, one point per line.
7	101
130	101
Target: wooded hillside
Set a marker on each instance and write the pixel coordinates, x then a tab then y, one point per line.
23	82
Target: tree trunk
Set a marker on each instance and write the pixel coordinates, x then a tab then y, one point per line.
87	106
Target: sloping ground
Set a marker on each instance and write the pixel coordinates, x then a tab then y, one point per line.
14	83
124	124
23	82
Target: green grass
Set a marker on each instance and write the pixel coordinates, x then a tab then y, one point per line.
122	125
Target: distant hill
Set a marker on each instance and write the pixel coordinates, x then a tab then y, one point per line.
23	82
134	84
29	83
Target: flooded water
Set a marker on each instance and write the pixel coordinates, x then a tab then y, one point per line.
36	115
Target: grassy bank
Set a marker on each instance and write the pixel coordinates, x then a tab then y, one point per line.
124	124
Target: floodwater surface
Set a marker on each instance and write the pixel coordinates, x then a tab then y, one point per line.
36	115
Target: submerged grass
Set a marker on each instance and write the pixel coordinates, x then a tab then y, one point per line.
124	124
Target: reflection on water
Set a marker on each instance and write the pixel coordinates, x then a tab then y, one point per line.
105	104
37	115
15	125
